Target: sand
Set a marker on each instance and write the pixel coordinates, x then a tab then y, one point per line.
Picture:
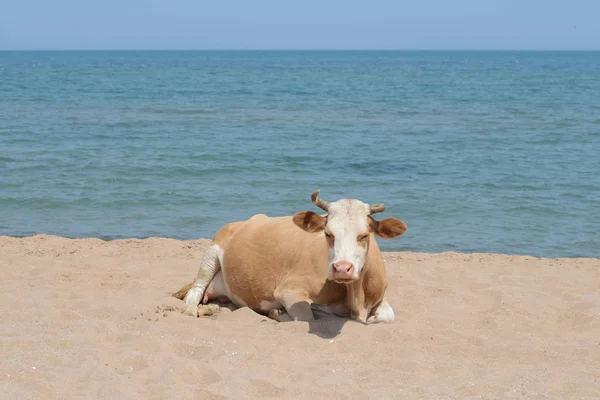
92	319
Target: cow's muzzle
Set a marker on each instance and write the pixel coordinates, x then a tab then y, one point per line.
342	272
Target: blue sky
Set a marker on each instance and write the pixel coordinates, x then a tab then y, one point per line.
307	24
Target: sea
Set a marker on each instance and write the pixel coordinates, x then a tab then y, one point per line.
476	151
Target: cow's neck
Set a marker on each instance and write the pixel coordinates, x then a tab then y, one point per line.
358	296
369	290
356	300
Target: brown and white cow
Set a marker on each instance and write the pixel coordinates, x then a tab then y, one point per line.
329	262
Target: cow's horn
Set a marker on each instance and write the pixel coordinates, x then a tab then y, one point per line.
376	208
319	202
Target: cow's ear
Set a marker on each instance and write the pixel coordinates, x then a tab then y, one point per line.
388	228
309	221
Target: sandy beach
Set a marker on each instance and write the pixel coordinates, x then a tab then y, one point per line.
87	318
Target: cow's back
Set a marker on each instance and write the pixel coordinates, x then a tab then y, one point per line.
262	252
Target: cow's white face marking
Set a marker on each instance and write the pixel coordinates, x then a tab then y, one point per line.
348	236
348	227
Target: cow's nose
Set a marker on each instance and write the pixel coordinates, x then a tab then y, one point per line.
343	267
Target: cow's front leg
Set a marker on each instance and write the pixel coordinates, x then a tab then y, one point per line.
356	302
383	313
296	304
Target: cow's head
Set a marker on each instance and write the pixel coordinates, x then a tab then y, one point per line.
348	227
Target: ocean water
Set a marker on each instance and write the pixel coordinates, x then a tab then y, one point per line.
475	151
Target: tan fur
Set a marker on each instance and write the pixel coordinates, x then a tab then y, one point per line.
265	256
297	262
269	253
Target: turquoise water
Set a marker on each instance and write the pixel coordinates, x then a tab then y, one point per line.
475	151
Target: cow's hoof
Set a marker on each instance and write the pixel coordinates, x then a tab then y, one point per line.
191	310
208	309
279	315
376	319
275	314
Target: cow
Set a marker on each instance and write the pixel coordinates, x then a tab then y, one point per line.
286	267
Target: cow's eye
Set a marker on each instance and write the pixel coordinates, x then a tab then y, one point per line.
328	235
363	238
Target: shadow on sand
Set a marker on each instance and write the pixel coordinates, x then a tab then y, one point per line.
327	326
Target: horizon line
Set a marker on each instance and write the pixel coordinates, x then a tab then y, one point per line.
307	49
